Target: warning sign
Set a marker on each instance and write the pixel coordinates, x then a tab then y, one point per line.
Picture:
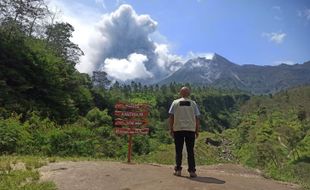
141	131
131	117
130	114
121	122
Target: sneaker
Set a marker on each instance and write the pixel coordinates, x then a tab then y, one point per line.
177	173
192	174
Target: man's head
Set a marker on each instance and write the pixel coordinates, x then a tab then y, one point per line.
184	92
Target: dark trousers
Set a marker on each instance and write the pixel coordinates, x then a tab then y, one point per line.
189	137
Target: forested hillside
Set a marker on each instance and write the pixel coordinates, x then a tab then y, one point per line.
48	108
274	134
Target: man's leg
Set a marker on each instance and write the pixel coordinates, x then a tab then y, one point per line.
178	141
190	143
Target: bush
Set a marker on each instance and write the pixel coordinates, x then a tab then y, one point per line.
72	141
39	129
99	118
247	155
301	172
14	136
141	144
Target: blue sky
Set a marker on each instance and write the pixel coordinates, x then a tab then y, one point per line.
262	32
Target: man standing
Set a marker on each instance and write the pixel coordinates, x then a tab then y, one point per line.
184	125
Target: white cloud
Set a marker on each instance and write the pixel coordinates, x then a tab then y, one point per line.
158	37
278	11
304	13
119	2
277	8
276	37
288	62
127	69
124	32
165	60
192	55
83	19
114	37
102	3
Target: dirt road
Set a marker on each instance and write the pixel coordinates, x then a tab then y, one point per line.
101	175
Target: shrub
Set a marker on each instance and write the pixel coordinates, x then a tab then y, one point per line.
99	118
14	136
72	141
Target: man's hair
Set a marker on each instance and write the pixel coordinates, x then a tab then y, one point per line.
185	91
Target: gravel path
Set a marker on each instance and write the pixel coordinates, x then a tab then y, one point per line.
102	175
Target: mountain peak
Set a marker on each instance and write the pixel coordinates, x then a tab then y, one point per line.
215	70
217	57
209	56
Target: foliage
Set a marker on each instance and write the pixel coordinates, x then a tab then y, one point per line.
14	136
26	177
48	108
58	36
274	135
72	140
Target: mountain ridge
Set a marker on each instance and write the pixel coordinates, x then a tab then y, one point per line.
218	71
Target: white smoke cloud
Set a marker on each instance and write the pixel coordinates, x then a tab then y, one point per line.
165	60
192	55
119	37
123	33
276	37
127	69
83	18
288	62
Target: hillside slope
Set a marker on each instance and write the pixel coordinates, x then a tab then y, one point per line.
220	72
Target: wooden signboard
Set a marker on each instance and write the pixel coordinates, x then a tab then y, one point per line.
129	118
130	114
141	131
124	106
130	122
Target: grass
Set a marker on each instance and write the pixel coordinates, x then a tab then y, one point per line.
24	179
20	172
295	173
163	155
207	155
204	154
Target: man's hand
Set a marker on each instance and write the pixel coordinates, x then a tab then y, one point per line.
171	134
197	134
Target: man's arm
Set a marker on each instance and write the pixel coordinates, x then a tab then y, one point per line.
171	118
171	121
197	114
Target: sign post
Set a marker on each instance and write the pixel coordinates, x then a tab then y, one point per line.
133	117
129	148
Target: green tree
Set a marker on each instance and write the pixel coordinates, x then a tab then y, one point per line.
100	80
58	37
24	13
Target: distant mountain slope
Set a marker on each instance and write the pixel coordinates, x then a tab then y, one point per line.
297	98
220	72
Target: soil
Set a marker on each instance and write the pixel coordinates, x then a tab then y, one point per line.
106	175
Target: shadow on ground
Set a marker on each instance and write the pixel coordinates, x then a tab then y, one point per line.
206	180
